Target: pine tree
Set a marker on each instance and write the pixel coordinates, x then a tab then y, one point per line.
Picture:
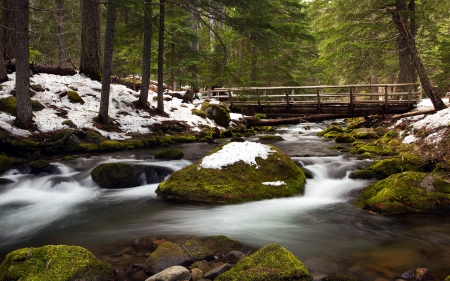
91	55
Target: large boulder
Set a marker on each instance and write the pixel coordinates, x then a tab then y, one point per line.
218	112
167	255
272	262
408	192
54	263
236	172
173	273
120	175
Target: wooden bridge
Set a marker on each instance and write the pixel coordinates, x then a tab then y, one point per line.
335	101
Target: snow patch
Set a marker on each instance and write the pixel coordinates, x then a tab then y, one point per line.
274	183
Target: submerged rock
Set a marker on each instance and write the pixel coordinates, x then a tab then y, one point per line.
418	274
169	154
54	263
408	192
247	176
167	255
272	262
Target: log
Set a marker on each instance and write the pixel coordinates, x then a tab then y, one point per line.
11	67
414	113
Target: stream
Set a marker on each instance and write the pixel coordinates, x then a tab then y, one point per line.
322	227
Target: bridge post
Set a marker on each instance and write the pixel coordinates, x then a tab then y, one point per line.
288	108
386	97
318	99
351	99
259	100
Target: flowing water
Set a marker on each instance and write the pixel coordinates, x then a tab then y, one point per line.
322	228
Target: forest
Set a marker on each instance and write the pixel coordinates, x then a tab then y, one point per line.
205	43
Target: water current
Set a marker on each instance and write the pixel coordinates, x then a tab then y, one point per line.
322	227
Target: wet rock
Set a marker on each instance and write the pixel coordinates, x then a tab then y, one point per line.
173	273
234	257
43	166
169	154
147	244
196	248
203	265
213	273
8	162
338	278
167	255
365	133
332	128
344	138
4	181
220	245
272	262
418	274
196	274
220	113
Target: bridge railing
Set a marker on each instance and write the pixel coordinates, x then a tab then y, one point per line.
320	95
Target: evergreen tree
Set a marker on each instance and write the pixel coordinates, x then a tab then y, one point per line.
91	54
146	53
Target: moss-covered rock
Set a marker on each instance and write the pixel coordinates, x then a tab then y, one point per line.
8	105
344	138
39	166
332	135
220	113
37	88
408	192
365	175
236	182
166	255
7	162
199	112
364	133
382	169
272	262
170	154
74	97
373	149
111	145
271	137
59	263
69	123
221	245
332	128
196	248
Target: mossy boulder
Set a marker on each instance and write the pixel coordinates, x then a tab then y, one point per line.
59	263
166	255
39	166
332	128
120	175
170	154
111	145
220	245
382	169
272	262
199	112
7	162
220	113
373	149
196	248
332	135
365	133
344	138
409	192
271	137
8	105
74	97
69	123
240	180
338	278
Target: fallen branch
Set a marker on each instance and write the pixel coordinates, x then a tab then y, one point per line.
414	113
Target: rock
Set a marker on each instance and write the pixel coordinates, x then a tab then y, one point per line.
173	273
4	181
408	192
170	154
373	149
54	263
237	182
165	256
199	113
41	166
418	274
7	162
213	273
332	134
272	262
204	266
220	113
120	175
332	128
234	257
69	123
196	248
94	137
344	138
271	137
365	133
196	274
147	244
338	278
74	97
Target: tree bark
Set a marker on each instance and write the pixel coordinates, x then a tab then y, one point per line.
423	76
7	29
404	58
91	48
59	16
160	107
107	62
146	54
24	113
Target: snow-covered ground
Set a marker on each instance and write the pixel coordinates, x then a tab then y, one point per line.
121	110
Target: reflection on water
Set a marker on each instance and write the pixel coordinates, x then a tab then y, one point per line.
321	227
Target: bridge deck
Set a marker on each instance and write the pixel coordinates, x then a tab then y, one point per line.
348	100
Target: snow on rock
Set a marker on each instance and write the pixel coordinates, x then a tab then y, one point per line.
235	152
274	183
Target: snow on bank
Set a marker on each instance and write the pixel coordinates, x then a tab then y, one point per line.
58	109
235	152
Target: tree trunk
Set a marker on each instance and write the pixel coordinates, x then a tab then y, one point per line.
59	16
91	48
3	73
160	106
413	30
107	62
24	113
424	79
404	59
7	29
146	54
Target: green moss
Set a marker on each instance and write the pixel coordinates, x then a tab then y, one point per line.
39	165
332	135
74	97
364	133
111	145
272	262
365	175
406	193
59	263
166	255
182	138
344	138
332	128
37	88
36	106
220	113
24	144
69	123
373	149
68	158
172	154
271	137
366	155
221	245
88	147
195	248
338	278
199	112
235	183
8	105
6	162
113	175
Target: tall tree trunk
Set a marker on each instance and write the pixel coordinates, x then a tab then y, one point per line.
413	31
162	8
7	29
107	62
3	73
211	23
424	79
404	59
91	47
24	113
59	16
146	54
194	47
